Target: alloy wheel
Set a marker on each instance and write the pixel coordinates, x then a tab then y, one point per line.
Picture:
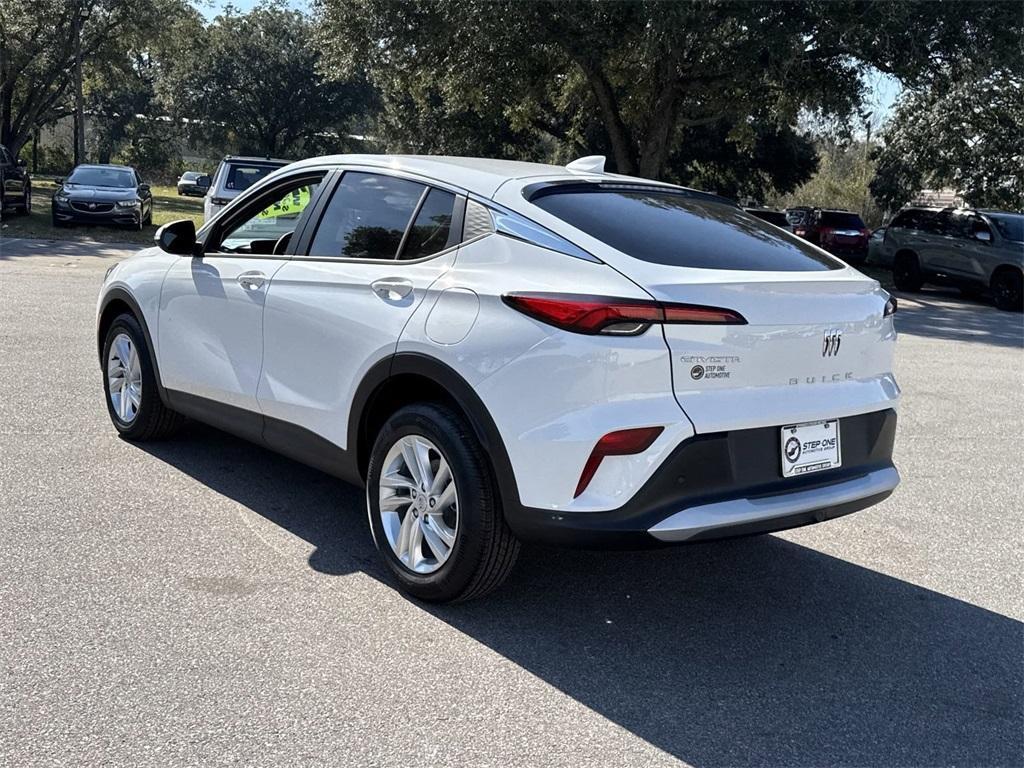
124	378
418	502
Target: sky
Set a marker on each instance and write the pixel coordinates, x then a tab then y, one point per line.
884	89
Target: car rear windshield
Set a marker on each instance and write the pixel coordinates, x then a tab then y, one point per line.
1010	227
841	220
680	229
117	178
241	177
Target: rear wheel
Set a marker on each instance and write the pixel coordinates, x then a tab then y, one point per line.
434	511
1008	289
906	272
129	381
25	206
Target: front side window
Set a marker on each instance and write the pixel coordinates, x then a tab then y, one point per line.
366	217
272	216
431	228
681	229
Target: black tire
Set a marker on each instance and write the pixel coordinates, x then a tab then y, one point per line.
149	218
25	208
154	420
485	549
906	272
1008	289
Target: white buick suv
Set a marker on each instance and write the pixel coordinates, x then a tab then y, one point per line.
504	352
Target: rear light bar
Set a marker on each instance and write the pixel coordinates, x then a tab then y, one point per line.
607	315
625	442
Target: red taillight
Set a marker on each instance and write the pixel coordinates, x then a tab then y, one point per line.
602	314
625	442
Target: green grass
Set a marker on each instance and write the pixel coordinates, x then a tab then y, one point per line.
167	206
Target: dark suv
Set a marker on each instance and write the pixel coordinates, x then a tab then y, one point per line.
968	248
15	183
839	232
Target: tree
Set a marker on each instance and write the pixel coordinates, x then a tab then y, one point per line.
649	76
37	44
968	136
257	86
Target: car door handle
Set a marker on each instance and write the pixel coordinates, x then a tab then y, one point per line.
252	281
391	288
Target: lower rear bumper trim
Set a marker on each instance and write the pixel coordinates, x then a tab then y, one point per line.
720	517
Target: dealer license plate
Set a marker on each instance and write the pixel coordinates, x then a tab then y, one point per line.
810	448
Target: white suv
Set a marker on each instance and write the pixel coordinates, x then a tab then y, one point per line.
505	352
234	175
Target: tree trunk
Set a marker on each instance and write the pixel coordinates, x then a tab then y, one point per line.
623	146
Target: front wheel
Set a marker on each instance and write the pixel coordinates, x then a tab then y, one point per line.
25	208
1008	289
906	272
130	384
434	511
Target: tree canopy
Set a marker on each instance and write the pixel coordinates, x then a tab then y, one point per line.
695	91
255	83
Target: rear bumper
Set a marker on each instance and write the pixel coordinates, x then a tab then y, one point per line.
729	484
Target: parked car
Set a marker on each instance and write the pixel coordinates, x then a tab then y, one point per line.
798	215
15	183
875	246
193	183
840	232
103	194
235	175
778	218
968	248
604	363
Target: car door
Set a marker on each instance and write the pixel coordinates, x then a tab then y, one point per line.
211	307
339	306
953	253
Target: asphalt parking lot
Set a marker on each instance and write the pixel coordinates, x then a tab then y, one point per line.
206	602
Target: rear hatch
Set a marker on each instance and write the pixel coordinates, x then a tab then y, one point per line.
815	343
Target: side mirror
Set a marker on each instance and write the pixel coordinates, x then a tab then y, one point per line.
59	180
144	187
177	237
984	235
20	162
204	181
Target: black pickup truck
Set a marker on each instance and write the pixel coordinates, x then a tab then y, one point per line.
15	183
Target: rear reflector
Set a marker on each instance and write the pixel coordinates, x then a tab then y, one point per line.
606	315
625	442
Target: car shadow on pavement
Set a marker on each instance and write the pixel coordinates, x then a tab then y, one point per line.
748	652
944	314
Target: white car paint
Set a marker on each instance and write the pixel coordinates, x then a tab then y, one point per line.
297	347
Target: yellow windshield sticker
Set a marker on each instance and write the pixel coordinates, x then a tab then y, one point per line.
291	204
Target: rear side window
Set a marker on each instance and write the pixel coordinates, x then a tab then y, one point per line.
430	231
912	219
366	217
681	230
840	220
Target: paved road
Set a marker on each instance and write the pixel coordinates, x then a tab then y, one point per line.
206	602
